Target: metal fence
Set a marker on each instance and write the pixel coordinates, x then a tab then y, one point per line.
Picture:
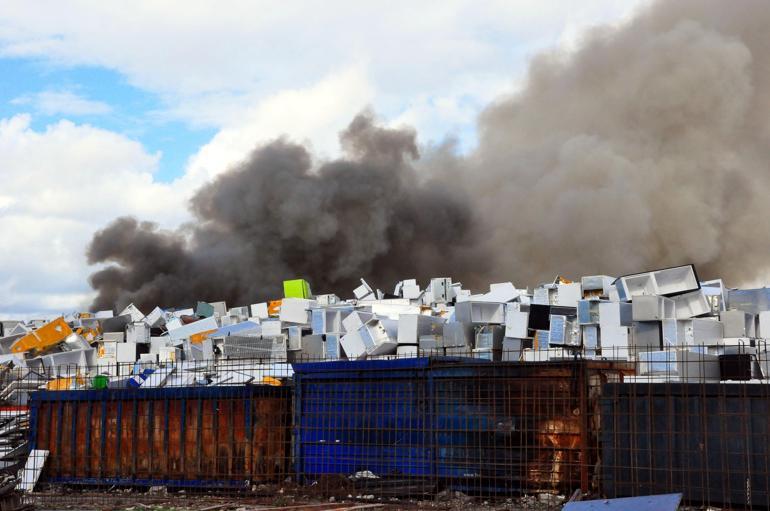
393	428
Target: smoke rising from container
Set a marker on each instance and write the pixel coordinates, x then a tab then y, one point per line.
648	146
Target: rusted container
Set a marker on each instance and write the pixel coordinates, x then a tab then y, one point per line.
470	425
228	436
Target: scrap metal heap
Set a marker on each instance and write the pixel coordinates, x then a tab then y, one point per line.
672	325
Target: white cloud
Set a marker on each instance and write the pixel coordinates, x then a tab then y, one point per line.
313	116
60	185
209	59
62	102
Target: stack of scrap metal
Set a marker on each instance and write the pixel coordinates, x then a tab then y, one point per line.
14	429
674	326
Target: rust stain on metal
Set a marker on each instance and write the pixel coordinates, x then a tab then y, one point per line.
207	438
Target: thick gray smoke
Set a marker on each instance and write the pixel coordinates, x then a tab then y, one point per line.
369	214
646	147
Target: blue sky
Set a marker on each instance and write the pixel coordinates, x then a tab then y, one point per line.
108	111
130	111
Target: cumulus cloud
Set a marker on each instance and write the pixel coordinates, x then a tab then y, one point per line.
220	59
59	185
312	115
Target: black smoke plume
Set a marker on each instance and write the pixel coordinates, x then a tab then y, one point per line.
369	215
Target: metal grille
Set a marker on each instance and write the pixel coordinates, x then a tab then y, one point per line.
392	432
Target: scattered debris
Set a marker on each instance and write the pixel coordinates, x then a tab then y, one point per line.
32	469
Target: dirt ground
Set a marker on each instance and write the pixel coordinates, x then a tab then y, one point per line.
130	501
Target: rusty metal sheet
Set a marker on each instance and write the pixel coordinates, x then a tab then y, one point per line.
208	436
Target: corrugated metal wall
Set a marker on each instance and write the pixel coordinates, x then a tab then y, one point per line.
209	436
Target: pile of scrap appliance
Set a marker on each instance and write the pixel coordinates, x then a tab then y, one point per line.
672	325
664	320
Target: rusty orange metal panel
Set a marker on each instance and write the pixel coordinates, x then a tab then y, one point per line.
81	434
110	455
193	437
207	443
190	436
158	462
143	439
174	442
